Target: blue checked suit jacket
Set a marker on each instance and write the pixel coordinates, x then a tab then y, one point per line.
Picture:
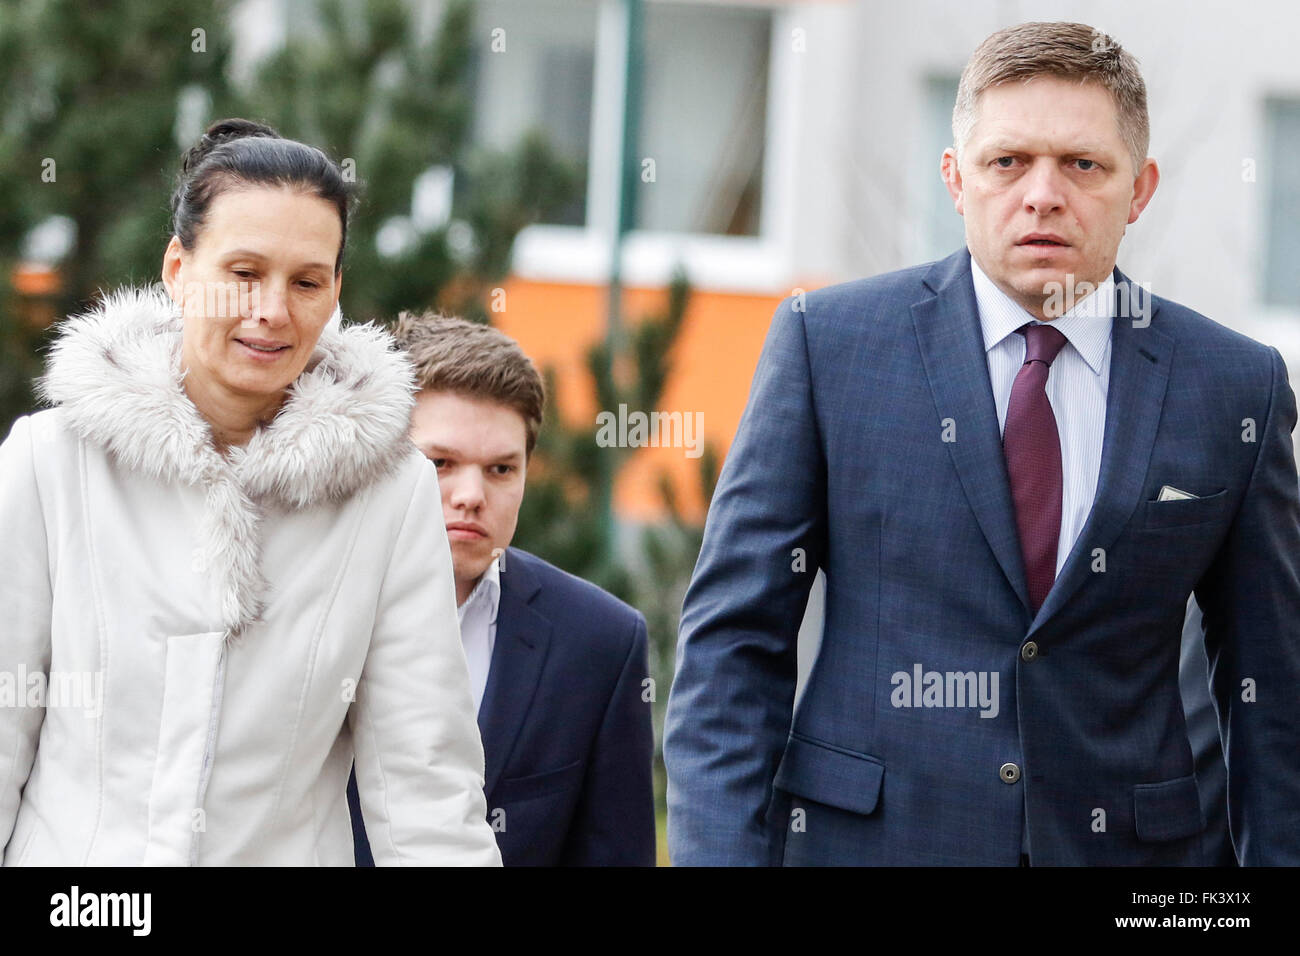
841	458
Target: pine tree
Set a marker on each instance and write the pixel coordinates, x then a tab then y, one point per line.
366	86
561	518
96	98
92	97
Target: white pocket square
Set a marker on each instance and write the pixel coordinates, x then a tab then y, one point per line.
1170	493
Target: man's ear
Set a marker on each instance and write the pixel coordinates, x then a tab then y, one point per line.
1144	187
171	270
951	174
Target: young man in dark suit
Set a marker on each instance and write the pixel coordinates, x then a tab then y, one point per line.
556	664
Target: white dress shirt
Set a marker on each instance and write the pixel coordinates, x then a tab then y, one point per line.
1076	389
1076	386
478	628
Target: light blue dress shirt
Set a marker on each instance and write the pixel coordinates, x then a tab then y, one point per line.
478	629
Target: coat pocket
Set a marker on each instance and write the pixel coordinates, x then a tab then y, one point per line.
1170	810
831	775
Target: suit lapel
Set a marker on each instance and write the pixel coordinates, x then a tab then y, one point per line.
1139	373
949	334
522	638
952	350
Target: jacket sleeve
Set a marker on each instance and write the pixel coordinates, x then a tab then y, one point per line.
26	600
1250	599
615	821
418	755
729	712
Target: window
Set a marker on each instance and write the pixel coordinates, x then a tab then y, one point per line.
718	86
541	80
703	118
942	230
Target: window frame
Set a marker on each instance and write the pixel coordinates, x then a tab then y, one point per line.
581	254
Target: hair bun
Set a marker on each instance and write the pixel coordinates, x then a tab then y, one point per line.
223	131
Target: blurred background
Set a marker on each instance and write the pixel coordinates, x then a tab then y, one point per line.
627	187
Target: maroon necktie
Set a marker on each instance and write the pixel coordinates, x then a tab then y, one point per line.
1033	452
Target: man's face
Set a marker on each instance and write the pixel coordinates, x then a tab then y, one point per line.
479	448
1046	186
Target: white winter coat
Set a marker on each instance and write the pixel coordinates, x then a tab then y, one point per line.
196	646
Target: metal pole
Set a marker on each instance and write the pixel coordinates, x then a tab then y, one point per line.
624	215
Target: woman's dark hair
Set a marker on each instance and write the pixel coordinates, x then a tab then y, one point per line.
235	152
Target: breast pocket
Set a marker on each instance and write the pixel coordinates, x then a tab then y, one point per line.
1185	511
517	789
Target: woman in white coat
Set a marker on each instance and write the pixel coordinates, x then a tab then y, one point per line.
224	571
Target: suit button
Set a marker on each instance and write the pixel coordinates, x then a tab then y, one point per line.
1009	772
1029	651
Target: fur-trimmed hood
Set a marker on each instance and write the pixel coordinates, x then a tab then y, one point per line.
116	373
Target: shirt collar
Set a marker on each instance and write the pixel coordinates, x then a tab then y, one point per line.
1087	326
487	592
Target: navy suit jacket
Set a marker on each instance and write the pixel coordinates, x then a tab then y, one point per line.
870	448
567	733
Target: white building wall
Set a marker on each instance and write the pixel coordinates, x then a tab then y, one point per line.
862	171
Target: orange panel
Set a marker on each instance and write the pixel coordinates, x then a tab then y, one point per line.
713	362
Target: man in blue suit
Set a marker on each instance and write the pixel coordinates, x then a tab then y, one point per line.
557	666
1014	466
